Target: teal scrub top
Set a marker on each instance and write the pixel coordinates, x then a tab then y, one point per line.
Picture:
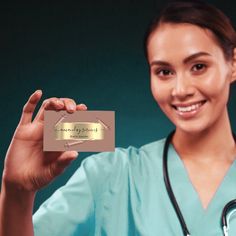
123	193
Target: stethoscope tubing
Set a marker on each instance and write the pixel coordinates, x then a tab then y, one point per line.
173	200
168	185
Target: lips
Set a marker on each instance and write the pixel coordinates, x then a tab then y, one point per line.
188	106
189	110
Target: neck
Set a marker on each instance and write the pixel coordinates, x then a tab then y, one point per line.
210	144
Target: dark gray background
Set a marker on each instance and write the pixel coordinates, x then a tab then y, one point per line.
90	51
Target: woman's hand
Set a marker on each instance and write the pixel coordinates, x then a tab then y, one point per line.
27	166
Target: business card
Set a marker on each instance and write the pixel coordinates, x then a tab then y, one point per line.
82	131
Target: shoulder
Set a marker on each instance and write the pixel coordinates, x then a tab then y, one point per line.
106	170
122	156
107	165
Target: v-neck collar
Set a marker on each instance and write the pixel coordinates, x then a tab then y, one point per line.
187	196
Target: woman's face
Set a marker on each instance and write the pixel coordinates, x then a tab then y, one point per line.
190	77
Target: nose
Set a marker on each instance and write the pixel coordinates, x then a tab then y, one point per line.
182	87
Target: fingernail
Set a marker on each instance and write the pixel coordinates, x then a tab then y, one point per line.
38	91
74	154
83	105
71	107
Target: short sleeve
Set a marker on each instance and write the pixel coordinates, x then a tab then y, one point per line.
70	210
74	208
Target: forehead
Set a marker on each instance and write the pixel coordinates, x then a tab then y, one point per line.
180	40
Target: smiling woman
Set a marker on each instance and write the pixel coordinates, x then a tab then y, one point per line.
178	185
196	72
190	50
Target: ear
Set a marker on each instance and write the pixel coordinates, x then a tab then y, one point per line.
233	75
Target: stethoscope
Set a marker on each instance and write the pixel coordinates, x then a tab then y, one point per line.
227	208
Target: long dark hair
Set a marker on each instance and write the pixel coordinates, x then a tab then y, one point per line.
201	14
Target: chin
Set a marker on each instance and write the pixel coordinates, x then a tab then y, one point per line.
191	127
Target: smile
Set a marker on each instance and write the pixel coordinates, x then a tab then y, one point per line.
190	110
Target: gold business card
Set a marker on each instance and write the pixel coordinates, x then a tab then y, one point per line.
82	131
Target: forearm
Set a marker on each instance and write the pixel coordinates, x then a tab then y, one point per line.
16	208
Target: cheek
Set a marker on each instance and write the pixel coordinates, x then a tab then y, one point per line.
215	85
160	91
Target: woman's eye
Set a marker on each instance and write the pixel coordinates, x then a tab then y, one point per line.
163	72
199	67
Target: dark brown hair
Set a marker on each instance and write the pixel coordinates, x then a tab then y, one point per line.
201	14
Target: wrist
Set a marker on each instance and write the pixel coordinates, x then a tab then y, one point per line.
12	191
19	202
16	184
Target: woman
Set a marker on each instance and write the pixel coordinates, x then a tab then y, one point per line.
190	50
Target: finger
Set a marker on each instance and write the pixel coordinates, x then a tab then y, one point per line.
81	107
29	107
54	104
57	104
62	162
49	104
70	105
234	53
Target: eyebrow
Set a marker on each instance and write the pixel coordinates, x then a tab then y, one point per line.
185	61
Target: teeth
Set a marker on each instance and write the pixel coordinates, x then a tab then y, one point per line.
189	108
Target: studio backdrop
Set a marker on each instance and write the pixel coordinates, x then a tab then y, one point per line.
90	51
